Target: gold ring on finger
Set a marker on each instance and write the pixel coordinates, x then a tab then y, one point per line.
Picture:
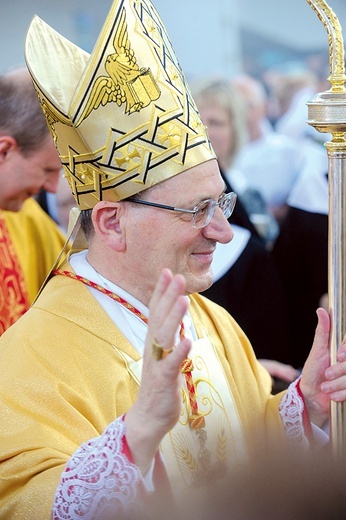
158	351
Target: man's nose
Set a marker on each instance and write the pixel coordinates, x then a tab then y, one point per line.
51	182
219	228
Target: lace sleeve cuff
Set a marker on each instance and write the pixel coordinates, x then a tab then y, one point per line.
100	480
294	416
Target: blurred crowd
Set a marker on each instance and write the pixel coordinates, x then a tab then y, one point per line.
278	166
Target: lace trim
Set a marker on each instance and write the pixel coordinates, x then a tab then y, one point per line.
291	410
99	481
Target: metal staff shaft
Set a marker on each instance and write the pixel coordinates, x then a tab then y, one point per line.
337	281
327	113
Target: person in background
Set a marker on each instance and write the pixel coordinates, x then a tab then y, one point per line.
294	87
247	284
301	254
246	281
223	111
30	241
269	161
125	388
301	250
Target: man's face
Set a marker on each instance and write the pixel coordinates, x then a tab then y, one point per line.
158	238
23	176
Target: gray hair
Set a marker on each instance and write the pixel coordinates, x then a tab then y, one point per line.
21	115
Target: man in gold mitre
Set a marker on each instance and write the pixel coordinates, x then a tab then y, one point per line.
122	383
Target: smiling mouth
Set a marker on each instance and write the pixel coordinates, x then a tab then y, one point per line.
205	254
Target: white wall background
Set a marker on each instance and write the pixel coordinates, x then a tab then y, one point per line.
205	33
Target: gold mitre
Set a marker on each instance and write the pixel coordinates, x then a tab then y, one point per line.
123	118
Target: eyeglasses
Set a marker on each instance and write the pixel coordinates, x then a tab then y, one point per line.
203	212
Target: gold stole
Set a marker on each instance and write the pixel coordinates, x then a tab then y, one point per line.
195	458
14	298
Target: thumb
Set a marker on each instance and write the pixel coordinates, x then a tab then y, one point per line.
318	359
321	340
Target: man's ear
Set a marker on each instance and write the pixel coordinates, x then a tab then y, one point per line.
107	222
7	145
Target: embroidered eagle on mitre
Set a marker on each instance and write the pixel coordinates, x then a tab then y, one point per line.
126	82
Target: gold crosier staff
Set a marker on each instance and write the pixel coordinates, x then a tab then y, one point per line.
327	113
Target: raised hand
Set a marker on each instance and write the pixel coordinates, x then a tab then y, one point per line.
321	382
158	404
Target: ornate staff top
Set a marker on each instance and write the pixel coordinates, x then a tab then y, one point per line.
327	111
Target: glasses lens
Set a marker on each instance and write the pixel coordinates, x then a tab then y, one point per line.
203	213
227	203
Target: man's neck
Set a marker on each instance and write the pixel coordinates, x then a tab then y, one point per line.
117	276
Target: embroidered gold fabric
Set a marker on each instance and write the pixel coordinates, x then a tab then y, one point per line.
122	118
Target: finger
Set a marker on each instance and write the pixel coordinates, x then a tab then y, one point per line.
341	353
321	339
287	373
165	336
335	371
336	388
169	289
318	360
172	320
178	355
164	280
166	316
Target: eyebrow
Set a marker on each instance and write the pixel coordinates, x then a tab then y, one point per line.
201	199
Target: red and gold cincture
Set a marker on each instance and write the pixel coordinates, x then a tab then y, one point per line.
196	420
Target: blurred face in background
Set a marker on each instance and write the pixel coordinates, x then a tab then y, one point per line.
23	175
220	130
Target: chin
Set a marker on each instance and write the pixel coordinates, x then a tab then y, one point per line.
199	283
13	205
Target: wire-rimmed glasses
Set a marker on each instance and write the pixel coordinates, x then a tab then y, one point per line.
203	212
